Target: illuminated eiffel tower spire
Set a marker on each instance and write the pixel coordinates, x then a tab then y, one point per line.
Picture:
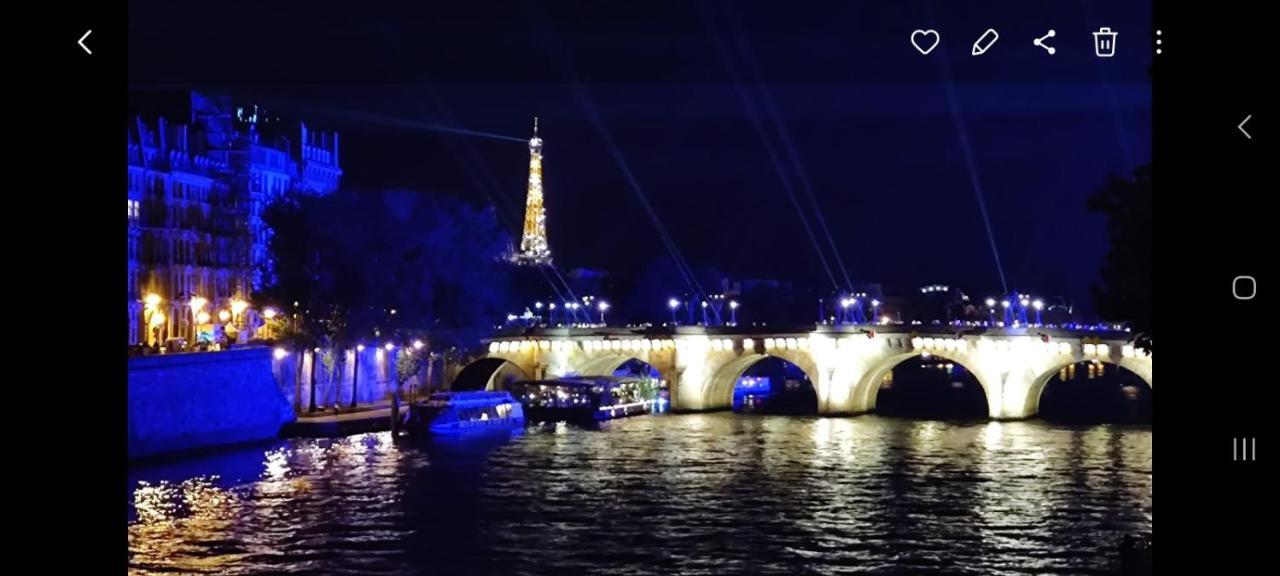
533	242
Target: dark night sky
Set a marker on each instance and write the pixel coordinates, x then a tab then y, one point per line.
876	126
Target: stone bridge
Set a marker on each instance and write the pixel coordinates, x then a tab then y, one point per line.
845	363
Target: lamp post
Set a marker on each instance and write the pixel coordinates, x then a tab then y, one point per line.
152	306
1039	305
238	307
201	319
845	303
673	304
991	310
1008	314
197	304
270	314
705	322
355	374
875	310
157	320
733	312
315	357
602	306
551	314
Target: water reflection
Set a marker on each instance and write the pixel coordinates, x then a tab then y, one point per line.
710	493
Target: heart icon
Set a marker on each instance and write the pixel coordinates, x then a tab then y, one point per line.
925	40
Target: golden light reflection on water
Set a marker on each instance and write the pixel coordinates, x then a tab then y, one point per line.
829	493
170	517
277	464
992	436
1013	503
166	502
196	508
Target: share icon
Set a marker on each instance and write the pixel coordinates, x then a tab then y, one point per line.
1040	42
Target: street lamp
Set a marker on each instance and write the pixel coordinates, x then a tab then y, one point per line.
152	305
551	320
355	374
673	304
418	344
1039	305
705	321
197	304
238	307
270	314
875	310
733	312
603	306
157	320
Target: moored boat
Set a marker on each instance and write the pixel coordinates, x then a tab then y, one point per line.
586	398
465	412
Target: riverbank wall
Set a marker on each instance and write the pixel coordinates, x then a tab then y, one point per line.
187	402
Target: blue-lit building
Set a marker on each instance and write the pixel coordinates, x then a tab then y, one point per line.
201	173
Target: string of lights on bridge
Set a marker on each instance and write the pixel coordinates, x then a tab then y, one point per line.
1016	311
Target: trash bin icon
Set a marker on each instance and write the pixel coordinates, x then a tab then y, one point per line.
1104	43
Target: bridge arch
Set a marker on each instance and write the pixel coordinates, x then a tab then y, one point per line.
720	386
1134	366
866	389
490	373
610	364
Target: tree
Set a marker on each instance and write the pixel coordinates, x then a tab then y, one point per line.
409	363
393	264
1125	290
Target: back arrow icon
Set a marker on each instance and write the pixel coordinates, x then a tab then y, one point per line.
81	42
1240	126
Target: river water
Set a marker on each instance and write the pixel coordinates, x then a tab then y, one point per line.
668	494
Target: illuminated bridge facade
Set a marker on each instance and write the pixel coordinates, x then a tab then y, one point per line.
845	364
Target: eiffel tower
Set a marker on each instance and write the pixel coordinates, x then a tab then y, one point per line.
534	249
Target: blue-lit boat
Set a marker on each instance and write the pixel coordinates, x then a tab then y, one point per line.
586	398
465	413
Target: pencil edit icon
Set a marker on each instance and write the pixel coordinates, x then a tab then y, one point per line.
985	42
